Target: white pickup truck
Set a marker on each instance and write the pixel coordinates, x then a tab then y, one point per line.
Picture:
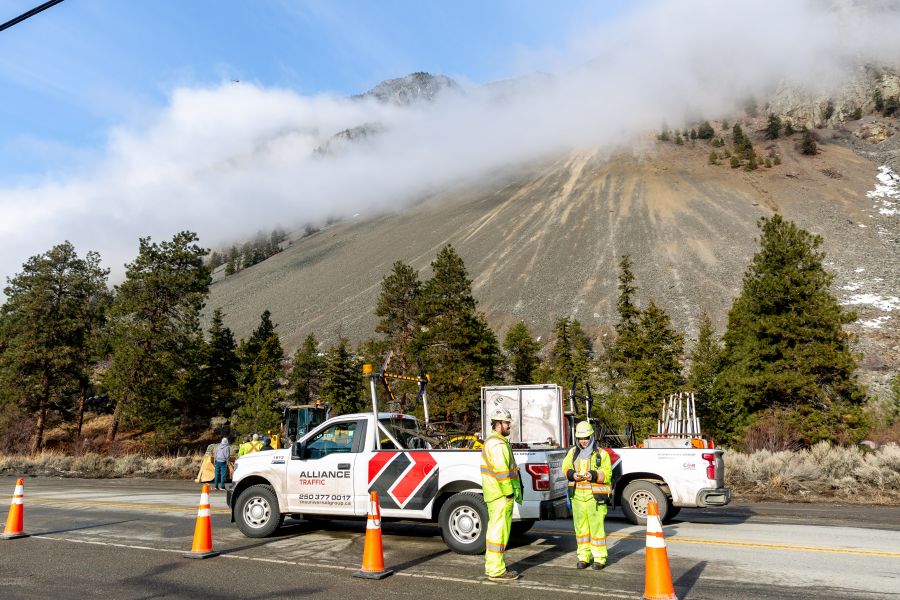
331	471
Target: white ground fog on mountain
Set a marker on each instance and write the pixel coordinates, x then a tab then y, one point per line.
229	160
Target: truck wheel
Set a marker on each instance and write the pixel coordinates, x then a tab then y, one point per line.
521	527
671	513
257	512
635	497
463	520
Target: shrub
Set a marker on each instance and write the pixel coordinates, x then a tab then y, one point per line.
735	162
705	131
776	160
713	158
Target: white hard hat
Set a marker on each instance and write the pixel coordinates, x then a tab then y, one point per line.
501	414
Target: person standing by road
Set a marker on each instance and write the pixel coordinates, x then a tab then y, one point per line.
588	469
501	485
245	447
222	456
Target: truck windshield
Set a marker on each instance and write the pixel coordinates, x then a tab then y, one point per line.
405	430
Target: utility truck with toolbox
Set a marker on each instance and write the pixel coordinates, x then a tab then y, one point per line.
330	472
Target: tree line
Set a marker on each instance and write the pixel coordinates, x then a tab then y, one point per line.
66	338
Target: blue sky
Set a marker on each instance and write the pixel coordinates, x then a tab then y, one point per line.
83	66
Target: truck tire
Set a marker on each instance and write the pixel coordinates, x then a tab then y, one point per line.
463	520
671	513
522	527
635	497
256	511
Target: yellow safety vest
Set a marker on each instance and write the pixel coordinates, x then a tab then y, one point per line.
599	465
499	472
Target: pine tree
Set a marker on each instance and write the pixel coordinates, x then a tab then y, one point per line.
705	131
154	325
740	140
264	337
342	386
462	353
809	146
773	127
223	366
785	346
521	355
572	353
891	106
53	309
398	312
655	370
259	411
308	373
829	110
878	98
706	363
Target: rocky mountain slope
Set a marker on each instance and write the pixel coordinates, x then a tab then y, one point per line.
543	240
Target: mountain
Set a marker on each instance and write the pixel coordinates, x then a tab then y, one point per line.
413	88
543	240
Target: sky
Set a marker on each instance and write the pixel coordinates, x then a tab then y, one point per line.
124	119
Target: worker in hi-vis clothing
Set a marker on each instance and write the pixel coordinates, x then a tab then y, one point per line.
502	486
588	469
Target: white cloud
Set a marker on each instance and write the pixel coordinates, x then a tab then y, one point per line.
229	160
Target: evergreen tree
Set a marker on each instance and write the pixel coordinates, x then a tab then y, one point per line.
789	129
53	308
342	387
308	373
223	367
829	110
878	97
713	158
521	354
809	146
260	411
785	346
461	350
571	354
263	346
398	311
705	131
706	363
773	127
891	106
655	371
154	325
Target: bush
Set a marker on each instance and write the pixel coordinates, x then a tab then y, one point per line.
735	162
776	160
713	158
705	131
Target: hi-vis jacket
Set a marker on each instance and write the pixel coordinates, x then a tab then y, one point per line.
499	473
600	469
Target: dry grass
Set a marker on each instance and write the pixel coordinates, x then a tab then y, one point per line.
823	472
96	466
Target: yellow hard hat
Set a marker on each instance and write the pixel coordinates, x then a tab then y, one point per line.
584	430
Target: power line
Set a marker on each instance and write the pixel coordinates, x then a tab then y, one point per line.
30	13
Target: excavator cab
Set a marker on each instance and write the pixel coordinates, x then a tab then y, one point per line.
297	421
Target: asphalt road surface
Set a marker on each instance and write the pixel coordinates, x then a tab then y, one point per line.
123	539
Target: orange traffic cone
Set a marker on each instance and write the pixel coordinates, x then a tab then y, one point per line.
373	554
658	581
202	547
15	521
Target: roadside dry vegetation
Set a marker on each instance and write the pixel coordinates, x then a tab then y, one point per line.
821	473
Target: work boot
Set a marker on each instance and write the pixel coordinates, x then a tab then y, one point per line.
582	565
598	566
505	576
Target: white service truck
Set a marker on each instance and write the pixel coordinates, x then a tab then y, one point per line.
330	472
669	470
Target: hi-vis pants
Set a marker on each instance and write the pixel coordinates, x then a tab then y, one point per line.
499	522
588	516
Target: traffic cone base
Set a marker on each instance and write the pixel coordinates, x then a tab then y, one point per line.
658	580
373	553
15	520
202	546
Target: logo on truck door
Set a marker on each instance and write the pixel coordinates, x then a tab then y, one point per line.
403	479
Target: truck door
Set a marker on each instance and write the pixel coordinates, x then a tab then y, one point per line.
320	475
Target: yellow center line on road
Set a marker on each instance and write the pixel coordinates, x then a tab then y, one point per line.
221	511
738	544
632	536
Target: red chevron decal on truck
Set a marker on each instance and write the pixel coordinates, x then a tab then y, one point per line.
423	463
403	479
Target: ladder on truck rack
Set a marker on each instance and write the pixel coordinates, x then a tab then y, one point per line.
678	424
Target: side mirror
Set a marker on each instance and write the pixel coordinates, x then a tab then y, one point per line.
299	451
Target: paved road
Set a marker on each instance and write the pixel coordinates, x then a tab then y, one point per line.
123	539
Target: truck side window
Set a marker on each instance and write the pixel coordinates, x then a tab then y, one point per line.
337	438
